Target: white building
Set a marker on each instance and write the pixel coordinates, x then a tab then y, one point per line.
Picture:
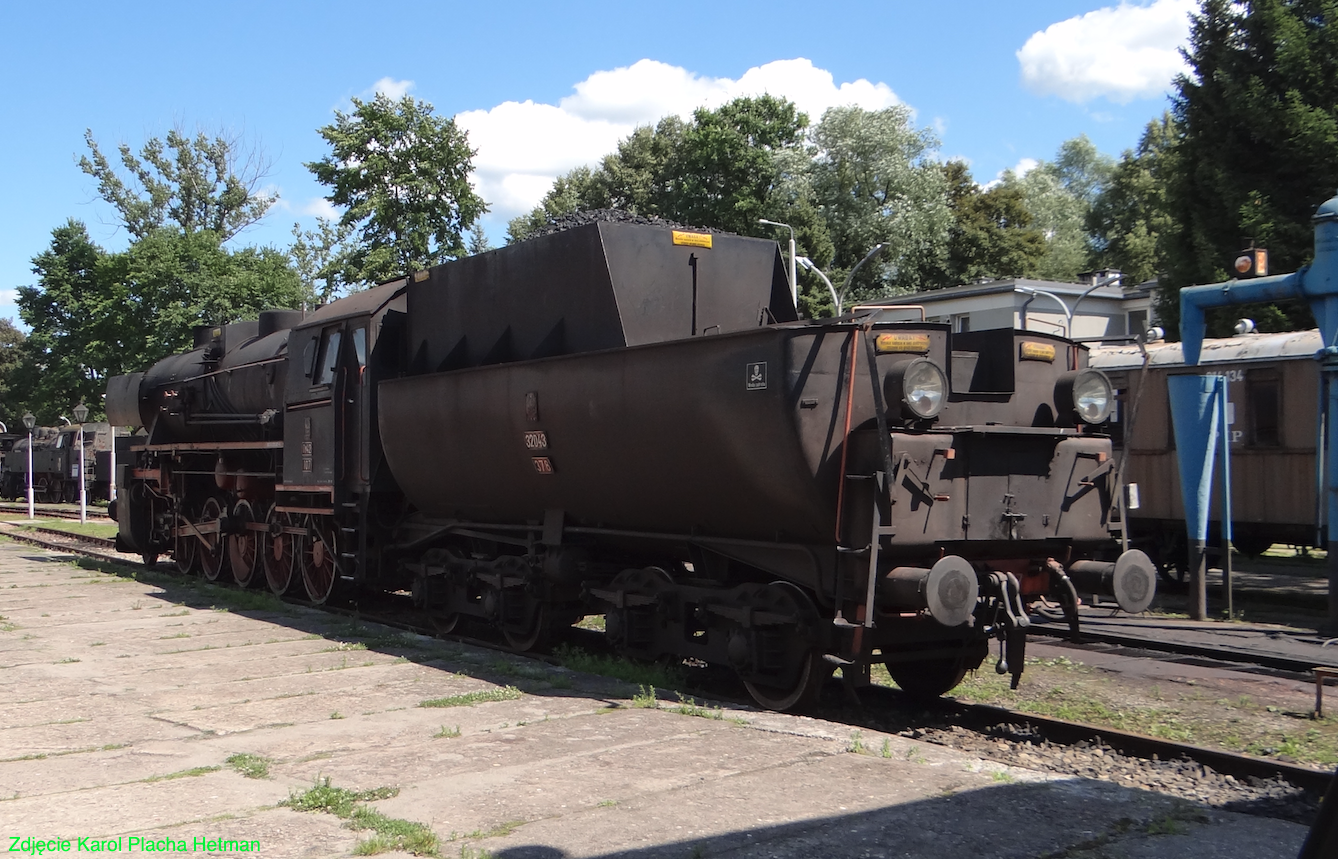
1040	305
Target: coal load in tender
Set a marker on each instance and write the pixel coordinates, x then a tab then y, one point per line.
570	220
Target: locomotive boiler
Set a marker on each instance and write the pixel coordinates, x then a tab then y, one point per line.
630	420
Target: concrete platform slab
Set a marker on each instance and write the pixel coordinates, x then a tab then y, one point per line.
126	700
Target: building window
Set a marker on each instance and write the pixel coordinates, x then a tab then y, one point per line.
1137	321
961	323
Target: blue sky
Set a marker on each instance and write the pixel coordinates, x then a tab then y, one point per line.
544	86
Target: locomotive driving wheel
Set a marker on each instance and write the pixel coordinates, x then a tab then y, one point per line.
782	650
185	548
320	559
280	550
213	551
244	545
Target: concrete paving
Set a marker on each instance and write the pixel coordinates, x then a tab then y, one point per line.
124	700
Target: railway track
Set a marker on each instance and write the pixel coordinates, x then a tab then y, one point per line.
49	511
1212	776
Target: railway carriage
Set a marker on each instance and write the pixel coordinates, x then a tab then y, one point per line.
1272	389
630	420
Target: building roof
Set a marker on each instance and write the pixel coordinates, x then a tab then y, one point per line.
1246	347
1006	285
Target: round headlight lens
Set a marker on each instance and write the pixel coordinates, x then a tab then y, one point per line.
924	388
1093	396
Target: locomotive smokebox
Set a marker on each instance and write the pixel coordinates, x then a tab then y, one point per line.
949	590
1132	580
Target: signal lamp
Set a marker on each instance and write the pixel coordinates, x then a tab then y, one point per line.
1087	394
920	385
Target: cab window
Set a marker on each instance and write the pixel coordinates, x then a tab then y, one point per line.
329	357
360	346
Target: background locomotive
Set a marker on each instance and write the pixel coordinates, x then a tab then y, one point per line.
1272	386
630	420
56	469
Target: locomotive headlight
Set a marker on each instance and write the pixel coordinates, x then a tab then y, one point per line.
1088	393
921	385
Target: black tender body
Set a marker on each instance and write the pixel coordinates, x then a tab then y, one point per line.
630	421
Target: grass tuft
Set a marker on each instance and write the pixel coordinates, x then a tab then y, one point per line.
251	766
469	699
388	833
640	673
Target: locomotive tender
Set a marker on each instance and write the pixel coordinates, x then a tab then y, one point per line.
630	420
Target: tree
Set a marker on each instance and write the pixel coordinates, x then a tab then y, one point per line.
72	344
572	191
723	169
198	183
320	258
874	180
1129	220
991	234
402	176
1058	194
11	356
1258	115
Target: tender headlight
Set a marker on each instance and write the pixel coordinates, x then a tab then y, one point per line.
1088	393
920	385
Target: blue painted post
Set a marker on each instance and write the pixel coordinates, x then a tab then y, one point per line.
1195	402
1224	433
1318	284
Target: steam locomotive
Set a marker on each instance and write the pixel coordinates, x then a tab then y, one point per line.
55	463
630	420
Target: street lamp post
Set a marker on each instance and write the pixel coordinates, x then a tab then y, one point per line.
794	276
29	421
80	415
808	264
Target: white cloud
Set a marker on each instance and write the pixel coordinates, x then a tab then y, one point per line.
8	296
390	88
523	146
320	207
1020	169
1120	53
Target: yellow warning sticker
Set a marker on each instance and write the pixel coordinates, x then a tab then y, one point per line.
692	240
888	343
1037	351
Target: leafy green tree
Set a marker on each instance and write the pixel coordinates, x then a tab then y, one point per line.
11	357
1059	194
321	259
73	342
578	189
991	234
1258	115
875	179
197	183
402	176
723	170
1129	220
